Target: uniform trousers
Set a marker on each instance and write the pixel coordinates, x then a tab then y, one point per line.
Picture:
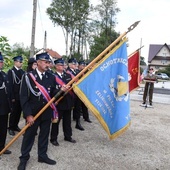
85	111
65	115
77	108
29	137
15	115
3	130
148	88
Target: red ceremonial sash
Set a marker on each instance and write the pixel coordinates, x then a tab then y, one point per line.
72	75
45	95
61	83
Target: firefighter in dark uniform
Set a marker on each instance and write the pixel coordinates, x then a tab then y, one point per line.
51	66
85	112
64	106
15	76
36	88
72	70
4	106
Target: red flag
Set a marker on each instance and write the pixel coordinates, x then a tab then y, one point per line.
134	71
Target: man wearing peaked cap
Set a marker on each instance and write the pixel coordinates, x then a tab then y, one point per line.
72	60
15	76
72	70
37	88
43	56
44	60
82	62
59	61
4	106
51	66
84	109
64	107
81	65
18	58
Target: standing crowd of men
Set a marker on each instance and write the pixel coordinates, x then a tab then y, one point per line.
28	92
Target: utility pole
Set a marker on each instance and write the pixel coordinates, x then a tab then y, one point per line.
45	40
33	28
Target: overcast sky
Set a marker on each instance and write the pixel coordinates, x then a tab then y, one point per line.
16	23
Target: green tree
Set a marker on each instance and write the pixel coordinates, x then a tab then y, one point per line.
6	52
100	43
102	28
4	46
142	61
107	11
19	49
71	15
9	52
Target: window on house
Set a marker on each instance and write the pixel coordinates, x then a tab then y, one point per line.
164	61
164	54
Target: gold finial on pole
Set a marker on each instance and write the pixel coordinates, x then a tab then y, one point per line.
133	26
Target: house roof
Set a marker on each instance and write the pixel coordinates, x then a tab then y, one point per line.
52	53
154	49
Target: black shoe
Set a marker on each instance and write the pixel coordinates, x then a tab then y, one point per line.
78	126
17	129
7	152
47	161
22	165
143	104
70	140
55	143
88	120
11	132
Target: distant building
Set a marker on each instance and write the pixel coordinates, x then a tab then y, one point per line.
159	56
52	53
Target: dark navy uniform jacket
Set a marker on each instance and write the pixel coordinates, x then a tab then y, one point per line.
15	81
74	73
4	94
67	102
32	104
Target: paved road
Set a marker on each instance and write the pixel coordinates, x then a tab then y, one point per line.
161	93
160	87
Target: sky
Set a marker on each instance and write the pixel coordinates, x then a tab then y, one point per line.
16	23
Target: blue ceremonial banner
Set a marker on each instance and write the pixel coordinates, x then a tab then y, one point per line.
105	91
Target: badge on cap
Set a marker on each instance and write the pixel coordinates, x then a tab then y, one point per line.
43	56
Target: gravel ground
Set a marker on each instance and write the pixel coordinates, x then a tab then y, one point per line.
144	146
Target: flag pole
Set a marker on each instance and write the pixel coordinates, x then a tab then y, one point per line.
135	51
59	94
